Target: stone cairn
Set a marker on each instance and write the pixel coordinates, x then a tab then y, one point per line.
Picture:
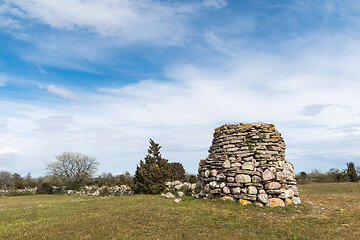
247	163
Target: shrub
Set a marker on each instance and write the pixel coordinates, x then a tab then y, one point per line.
18	181
104	192
45	188
125	179
190	178
72	186
151	174
302	178
185	189
177	171
335	175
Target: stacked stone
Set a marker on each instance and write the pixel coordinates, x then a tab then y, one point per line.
246	162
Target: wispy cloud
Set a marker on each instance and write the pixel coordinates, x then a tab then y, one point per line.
182	112
128	21
60	91
296	79
314	109
214	3
8	151
54	123
41	69
85	35
3	81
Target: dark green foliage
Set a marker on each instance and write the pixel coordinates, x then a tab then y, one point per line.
45	188
153	172
107	179
177	171
186	190
53	180
73	185
18	181
193	179
333	175
125	179
104	192
302	178
250	143
351	172
190	178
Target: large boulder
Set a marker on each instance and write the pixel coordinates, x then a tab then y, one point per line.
275	202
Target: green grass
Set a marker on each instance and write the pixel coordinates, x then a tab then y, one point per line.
329	211
330	188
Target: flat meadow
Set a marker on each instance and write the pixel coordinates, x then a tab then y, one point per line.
328	211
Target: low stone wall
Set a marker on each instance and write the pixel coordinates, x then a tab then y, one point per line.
25	191
246	162
94	190
177	189
180	186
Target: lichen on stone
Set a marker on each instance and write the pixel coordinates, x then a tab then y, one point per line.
247	162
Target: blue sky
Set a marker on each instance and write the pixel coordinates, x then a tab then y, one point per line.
103	76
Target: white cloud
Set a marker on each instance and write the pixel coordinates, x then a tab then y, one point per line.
62	92
128	21
8	151
9	23
237	84
115	124
87	35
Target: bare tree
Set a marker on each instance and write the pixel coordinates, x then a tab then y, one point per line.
73	167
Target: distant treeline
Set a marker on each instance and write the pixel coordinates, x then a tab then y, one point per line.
16	181
349	174
71	171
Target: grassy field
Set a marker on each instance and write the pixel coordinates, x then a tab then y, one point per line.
329	211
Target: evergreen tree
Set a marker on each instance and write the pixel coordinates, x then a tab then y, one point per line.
177	171
153	172
351	172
